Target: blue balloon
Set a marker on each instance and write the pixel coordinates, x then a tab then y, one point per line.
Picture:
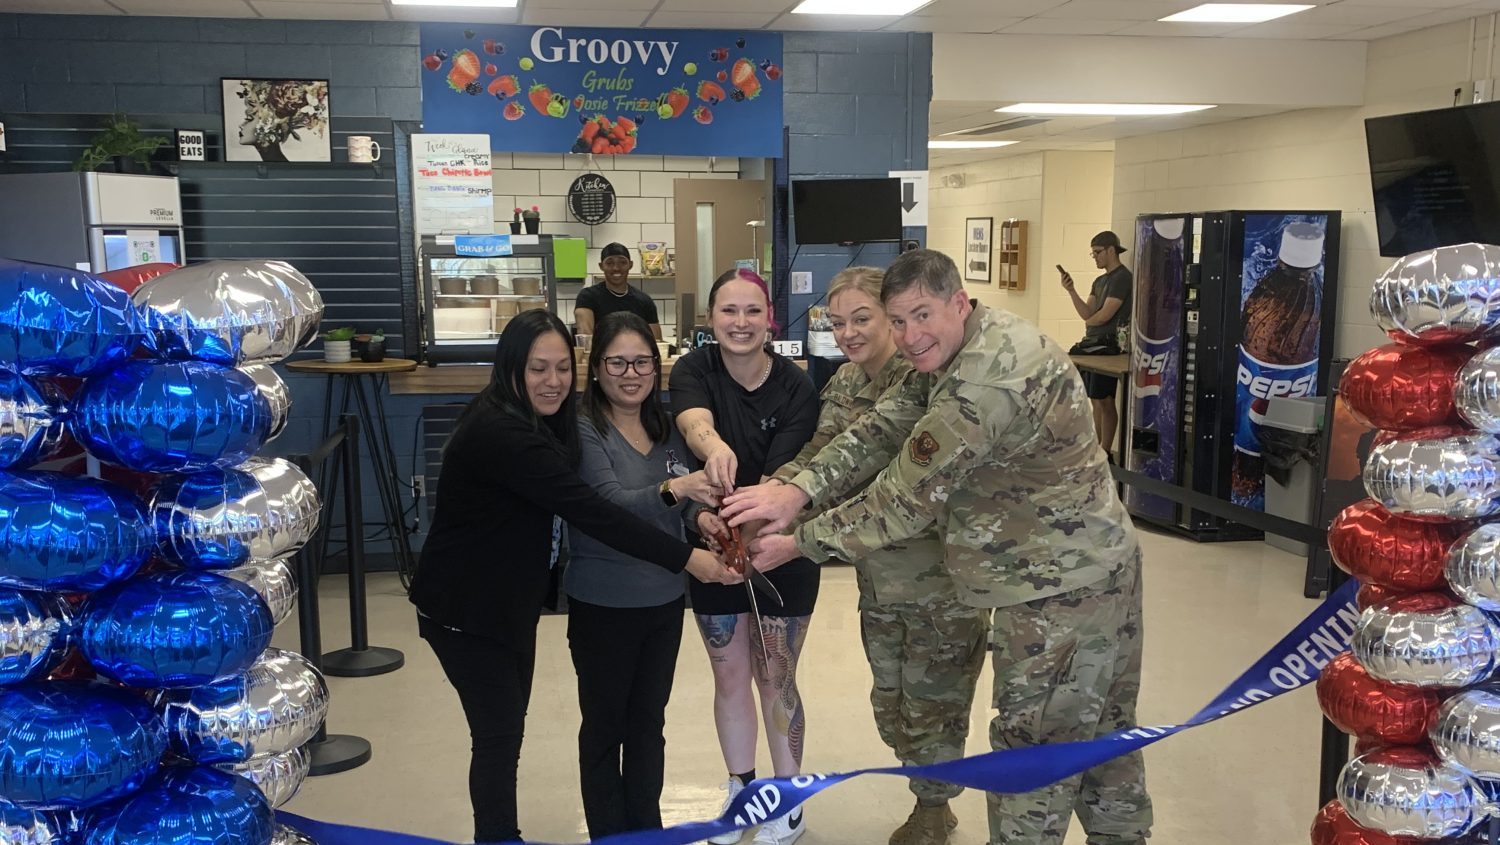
20	826
64	322
202	521
175	629
69	534
30	421
186	806
180	416
36	630
70	746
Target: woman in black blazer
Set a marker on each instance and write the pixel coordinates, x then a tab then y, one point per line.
508	483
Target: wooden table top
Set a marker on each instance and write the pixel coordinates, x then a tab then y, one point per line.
389	365
1110	365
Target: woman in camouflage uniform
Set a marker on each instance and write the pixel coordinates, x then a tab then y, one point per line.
924	646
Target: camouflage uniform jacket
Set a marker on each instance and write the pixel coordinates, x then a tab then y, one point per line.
904	572
1004	459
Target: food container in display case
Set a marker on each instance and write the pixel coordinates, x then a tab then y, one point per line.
467	301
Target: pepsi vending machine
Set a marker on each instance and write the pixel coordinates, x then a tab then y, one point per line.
1231	309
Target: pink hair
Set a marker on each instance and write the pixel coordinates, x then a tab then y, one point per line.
753	278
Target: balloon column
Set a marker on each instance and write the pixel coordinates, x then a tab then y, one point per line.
142	705
1426	549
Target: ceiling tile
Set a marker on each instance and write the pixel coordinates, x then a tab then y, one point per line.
442	13
952	23
1067	26
197	8
582	17
1434	18
1424	4
321	11
1292	31
1133	10
712	20
1357	15
768	6
61	7
1006	8
611	5
833	23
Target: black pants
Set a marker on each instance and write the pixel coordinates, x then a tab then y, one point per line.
625	659
493	682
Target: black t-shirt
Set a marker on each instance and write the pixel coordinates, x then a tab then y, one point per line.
602	301
766	427
1116	284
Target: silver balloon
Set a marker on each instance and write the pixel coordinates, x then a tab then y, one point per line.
1446	647
231	312
275	706
36	631
274	580
1456	476
270	385
31	416
1466	733
1473	567
287	836
1450	293
1477	391
1406	792
279	776
218	519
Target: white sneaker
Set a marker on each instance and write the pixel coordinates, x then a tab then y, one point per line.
783	831
733	787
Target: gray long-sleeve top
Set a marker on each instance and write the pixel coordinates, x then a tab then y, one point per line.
598	574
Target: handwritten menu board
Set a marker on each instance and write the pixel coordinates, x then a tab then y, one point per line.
452	185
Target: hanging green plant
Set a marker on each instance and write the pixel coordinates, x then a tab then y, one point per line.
120	142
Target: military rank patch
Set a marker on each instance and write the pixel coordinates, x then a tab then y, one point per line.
923	447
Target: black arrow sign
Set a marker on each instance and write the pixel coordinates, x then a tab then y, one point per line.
908	196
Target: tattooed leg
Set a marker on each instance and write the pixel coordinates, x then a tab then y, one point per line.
780	701
727	639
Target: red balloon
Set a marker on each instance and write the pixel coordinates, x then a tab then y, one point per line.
130	278
1400	387
1372	709
1436	432
1422	602
1332	826
1370	595
75	667
1378	547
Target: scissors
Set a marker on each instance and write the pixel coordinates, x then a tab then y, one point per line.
737	558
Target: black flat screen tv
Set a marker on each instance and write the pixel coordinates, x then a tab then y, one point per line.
843	211
1436	177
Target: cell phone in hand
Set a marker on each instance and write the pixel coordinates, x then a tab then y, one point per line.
1067	277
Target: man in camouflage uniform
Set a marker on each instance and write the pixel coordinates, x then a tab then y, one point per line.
1004	458
925	647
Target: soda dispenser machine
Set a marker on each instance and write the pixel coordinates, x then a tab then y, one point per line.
1231	309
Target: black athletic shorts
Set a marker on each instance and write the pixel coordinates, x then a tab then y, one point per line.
796	580
1100	386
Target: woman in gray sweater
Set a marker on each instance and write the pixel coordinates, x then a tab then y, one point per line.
625	615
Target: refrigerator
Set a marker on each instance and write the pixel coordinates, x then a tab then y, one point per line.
91	221
1230	309
468	299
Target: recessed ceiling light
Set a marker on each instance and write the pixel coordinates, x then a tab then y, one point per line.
1237	12
486	4
936	144
859	7
1097	109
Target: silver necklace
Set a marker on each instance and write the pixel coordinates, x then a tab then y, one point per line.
765	375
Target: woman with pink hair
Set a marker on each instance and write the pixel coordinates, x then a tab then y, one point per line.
745	411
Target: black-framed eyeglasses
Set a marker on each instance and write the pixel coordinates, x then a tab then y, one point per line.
616	366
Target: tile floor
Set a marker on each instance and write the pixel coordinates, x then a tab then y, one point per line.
1210	611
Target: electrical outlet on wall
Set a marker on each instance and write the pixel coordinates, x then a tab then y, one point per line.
801	282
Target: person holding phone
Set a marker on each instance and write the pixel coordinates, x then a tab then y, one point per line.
1104	312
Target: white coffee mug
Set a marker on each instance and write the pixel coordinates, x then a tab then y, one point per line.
362	149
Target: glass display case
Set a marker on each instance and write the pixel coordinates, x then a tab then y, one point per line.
467	300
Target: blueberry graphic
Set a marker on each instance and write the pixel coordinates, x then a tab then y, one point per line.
740	43
442	55
472	88
469	33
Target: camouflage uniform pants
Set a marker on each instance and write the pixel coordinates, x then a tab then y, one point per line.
1067	668
926	661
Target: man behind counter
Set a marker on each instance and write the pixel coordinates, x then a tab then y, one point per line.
595	302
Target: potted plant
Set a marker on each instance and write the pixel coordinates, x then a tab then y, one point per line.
336	345
533	220
122	143
515	222
372	350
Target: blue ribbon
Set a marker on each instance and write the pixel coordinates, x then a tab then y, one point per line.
1291	664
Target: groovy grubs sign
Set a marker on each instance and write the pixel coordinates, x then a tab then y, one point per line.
555	89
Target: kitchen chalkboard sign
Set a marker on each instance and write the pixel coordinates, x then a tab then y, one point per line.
591	199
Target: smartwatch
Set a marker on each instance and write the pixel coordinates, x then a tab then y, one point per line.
668	498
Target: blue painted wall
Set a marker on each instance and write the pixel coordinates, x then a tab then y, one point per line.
855	104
